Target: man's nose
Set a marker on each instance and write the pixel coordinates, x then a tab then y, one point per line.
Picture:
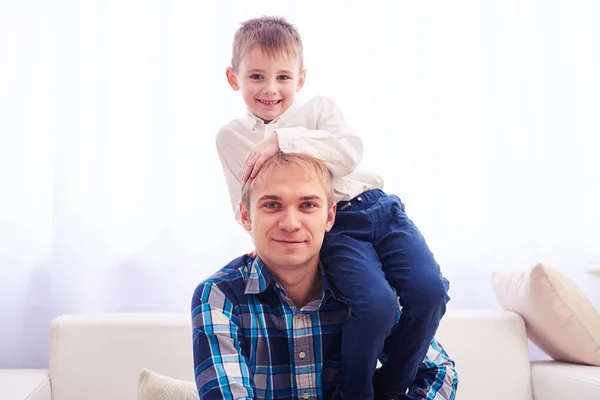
290	221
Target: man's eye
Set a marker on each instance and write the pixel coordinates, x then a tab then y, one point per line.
255	76
309	205
270	205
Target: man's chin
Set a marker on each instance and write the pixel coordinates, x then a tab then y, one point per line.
290	261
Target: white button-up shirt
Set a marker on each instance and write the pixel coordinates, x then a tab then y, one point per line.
317	128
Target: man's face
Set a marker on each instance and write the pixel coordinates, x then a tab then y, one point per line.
268	84
288	217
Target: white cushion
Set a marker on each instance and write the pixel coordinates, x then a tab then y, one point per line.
152	386
558	316
554	380
30	384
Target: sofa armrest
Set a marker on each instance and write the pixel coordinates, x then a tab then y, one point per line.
24	384
553	380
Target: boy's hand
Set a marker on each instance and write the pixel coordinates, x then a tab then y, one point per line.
252	254
257	157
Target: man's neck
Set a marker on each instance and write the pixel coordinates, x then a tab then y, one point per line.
302	285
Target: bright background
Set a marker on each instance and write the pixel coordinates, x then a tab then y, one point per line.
481	116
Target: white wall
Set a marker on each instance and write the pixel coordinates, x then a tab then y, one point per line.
481	116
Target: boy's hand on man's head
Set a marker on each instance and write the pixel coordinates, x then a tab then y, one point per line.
257	157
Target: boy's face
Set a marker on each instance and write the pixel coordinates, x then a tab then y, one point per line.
268	84
288	217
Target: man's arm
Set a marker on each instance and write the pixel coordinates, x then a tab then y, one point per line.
220	367
333	142
436	377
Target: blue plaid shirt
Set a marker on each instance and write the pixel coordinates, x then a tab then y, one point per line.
250	342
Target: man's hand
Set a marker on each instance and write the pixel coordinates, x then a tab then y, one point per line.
257	157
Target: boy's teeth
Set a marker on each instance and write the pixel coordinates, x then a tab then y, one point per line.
269	102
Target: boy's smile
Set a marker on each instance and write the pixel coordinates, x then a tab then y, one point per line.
268	84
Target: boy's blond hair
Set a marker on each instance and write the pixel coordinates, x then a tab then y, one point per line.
273	35
307	162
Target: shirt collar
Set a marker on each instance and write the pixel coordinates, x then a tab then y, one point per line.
259	278
254	121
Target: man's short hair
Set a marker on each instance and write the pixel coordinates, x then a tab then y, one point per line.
273	35
307	162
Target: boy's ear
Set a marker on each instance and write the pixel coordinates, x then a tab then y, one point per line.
301	79
245	216
232	79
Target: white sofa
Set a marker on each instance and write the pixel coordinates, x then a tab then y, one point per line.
99	357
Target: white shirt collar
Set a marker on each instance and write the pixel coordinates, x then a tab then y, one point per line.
253	120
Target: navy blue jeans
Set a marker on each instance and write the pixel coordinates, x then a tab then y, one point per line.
372	248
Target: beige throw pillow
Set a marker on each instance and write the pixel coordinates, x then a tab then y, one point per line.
558	316
152	386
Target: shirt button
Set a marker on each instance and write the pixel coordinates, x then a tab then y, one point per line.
305	395
302	354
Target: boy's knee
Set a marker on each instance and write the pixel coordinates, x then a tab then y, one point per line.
431	295
380	309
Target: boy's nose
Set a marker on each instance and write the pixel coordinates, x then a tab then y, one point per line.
270	88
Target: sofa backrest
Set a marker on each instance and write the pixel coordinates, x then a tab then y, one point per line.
491	354
99	357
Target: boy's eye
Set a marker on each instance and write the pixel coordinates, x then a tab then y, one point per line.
255	76
283	77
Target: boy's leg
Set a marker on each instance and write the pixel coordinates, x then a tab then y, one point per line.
355	271
412	271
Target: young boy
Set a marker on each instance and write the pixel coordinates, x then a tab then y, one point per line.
373	246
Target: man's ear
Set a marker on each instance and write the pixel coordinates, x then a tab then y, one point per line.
232	78
301	80
330	217
245	216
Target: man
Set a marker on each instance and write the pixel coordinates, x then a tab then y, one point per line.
270	327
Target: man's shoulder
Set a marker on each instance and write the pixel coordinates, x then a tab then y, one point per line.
229	280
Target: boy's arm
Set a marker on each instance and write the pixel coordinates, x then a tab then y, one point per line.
232	160
220	367
436	377
333	142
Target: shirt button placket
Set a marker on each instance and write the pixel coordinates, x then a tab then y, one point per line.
301	322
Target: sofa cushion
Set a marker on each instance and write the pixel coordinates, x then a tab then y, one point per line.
30	384
553	380
153	386
558	316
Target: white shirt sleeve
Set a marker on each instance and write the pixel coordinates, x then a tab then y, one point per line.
232	155
333	142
